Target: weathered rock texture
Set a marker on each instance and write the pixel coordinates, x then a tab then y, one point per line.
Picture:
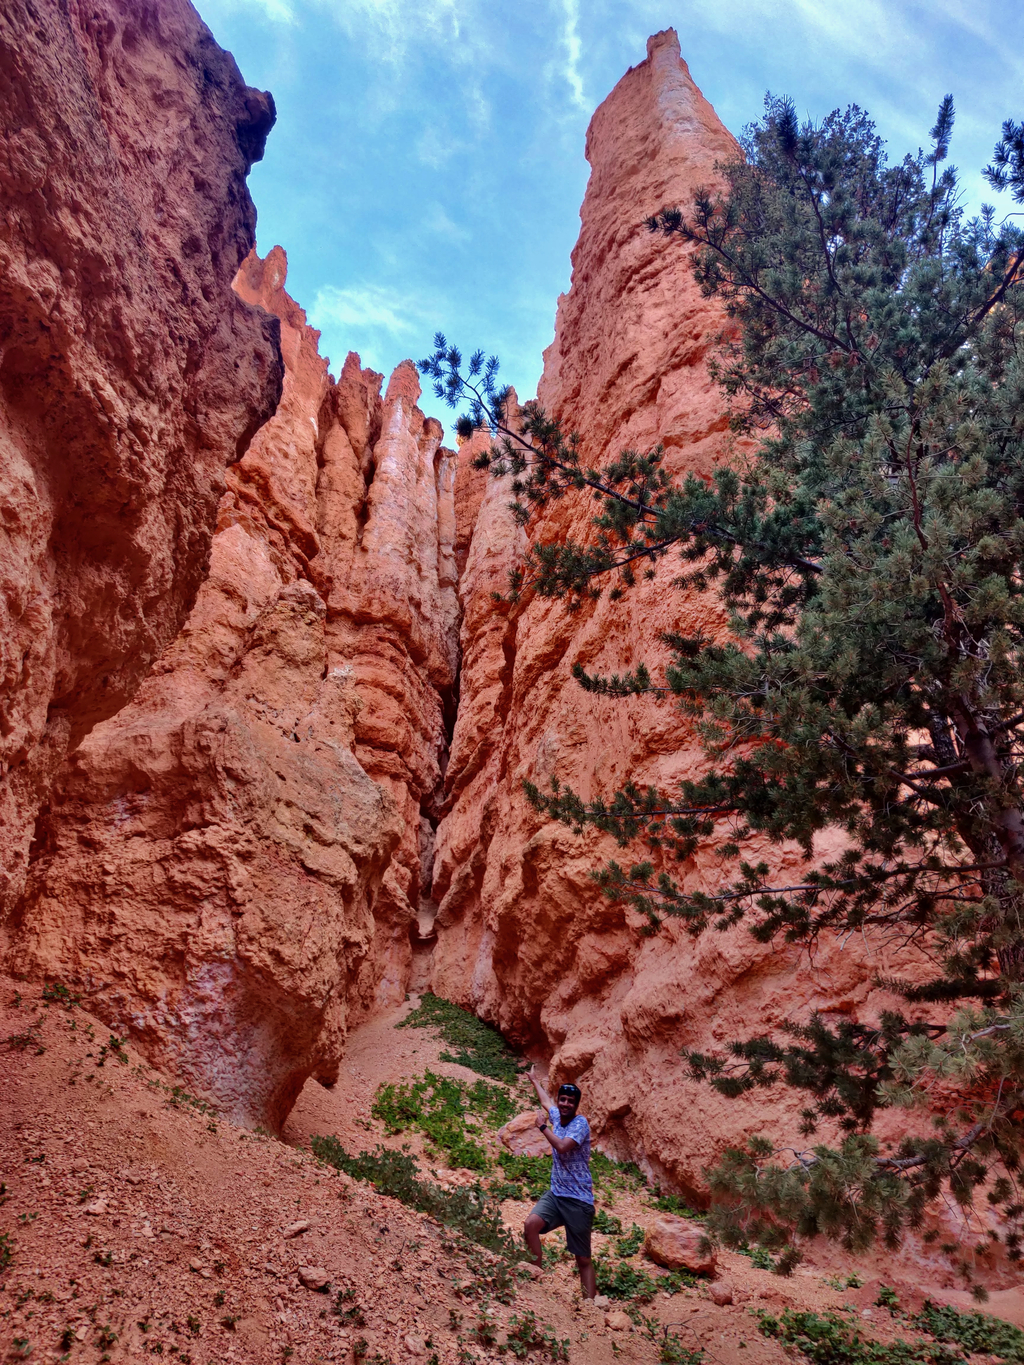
129	373
523	935
234	861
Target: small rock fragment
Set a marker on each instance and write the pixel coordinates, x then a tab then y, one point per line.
297	1228
97	1207
617	1320
415	1345
720	1292
314	1277
601	1301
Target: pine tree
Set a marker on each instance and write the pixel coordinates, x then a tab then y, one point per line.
870	554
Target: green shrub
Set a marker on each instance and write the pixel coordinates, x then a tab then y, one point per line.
632	1242
674	1203
477	1045
673	1352
471	1211
607	1223
526	1335
975	1332
827	1339
448	1112
609	1174
622	1280
530	1174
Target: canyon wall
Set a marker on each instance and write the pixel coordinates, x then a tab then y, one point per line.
130	375
233	863
314	801
524	936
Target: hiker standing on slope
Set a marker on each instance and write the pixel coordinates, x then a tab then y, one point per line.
570	1201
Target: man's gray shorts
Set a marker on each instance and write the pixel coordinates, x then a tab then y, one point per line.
558	1211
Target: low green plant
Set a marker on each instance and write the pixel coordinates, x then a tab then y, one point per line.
674	1203
632	1242
621	1280
673	1352
56	993
887	1298
114	1047
607	1223
526	1335
6	1252
529	1175
348	1311
28	1038
826	1339
471	1211
448	1112
477	1045
841	1282
977	1333
609	1174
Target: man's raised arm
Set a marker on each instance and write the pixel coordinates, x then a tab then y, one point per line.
542	1094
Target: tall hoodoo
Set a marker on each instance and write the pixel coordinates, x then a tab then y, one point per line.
524	935
130	375
232	864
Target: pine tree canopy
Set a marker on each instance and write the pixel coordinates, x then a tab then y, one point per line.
869	549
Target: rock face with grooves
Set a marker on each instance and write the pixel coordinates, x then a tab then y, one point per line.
234	862
524	937
130	375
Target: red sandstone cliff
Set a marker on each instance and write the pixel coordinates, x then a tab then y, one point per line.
234	862
129	373
523	935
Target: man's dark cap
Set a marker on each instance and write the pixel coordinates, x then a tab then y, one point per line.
573	1091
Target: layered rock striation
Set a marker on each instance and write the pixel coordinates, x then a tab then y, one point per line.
234	862
524	936
130	375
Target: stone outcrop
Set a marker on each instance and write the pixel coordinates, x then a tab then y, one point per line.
234	862
524	937
130	375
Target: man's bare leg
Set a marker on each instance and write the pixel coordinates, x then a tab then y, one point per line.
532	1229
588	1276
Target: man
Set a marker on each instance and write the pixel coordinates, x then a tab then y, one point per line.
570	1201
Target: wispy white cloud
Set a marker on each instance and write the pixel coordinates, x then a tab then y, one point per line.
379	322
273	11
573	53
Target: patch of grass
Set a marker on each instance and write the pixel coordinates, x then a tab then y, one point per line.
470	1211
976	1332
841	1283
476	1045
827	1339
448	1112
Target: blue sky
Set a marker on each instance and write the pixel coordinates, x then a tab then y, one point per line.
427	166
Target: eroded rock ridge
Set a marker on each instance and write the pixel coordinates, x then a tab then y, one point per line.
130	375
